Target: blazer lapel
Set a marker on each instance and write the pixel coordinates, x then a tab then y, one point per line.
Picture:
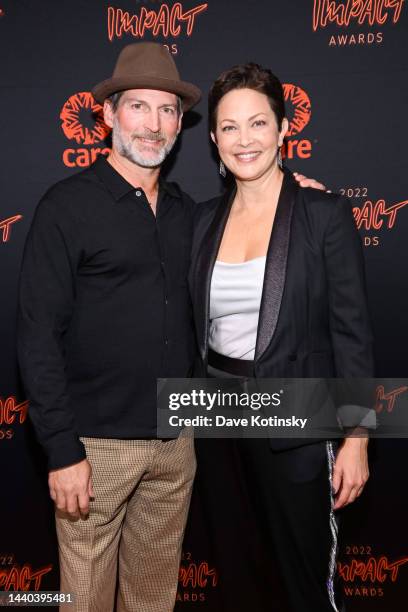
275	268
205	264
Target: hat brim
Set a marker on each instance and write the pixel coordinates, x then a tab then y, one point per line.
189	93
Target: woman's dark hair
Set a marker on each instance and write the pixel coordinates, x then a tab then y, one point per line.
250	76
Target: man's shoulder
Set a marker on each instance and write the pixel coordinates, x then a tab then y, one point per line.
211	204
70	193
207	208
174	189
84	180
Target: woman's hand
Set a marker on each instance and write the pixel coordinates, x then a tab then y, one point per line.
350	471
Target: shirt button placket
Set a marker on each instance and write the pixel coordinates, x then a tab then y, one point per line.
166	301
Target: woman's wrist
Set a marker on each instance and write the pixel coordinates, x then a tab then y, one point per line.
357	435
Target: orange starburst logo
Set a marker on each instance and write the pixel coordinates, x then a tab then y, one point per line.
73	114
300	101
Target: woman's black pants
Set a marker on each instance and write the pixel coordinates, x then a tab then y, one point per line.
291	504
291	495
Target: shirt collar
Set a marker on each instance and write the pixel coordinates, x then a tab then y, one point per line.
119	187
171	188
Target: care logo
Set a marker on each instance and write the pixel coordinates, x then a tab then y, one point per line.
71	119
367	575
5	226
373	215
299	111
12	413
82	122
171	20
361	18
194	579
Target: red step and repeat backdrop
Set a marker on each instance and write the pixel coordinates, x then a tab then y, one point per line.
344	65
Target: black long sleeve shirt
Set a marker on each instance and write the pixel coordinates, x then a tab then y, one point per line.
104	309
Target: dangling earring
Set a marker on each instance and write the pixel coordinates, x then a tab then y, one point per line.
280	162
223	171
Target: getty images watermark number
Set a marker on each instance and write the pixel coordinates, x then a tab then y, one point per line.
35	598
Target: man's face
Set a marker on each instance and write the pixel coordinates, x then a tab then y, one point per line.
144	126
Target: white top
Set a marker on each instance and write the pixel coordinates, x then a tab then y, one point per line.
235	299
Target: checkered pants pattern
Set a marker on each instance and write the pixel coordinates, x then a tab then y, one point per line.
130	545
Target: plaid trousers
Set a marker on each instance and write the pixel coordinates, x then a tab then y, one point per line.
129	547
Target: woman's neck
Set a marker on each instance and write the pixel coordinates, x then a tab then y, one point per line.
258	192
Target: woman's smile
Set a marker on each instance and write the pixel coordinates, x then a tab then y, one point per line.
249	156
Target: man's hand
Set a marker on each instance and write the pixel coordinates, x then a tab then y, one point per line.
307	182
350	471
71	488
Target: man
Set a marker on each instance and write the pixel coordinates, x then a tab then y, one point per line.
105	311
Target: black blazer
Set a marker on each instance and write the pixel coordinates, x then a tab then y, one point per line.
314	319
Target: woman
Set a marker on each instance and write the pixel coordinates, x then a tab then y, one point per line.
277	283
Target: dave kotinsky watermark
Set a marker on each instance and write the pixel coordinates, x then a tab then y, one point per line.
282	408
219	400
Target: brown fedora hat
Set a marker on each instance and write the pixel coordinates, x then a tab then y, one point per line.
147	65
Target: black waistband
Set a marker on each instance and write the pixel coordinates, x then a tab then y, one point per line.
237	367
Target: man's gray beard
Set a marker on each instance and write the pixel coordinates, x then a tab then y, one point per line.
125	149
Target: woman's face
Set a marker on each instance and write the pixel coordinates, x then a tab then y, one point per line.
247	134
